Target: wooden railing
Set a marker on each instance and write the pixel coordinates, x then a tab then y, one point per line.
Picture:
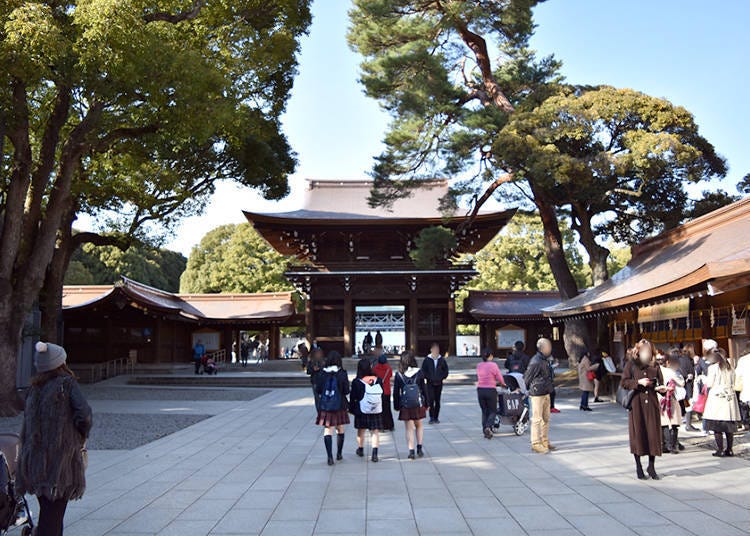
219	356
96	372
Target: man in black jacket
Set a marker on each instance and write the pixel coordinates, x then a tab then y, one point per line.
518	361
539	383
435	370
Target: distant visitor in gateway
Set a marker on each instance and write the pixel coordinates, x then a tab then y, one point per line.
435	370
367	343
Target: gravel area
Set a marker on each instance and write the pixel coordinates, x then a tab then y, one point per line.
122	431
114	392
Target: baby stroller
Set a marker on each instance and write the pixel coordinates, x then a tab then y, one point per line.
210	366
513	409
14	510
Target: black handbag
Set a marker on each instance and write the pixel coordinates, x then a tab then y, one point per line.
625	397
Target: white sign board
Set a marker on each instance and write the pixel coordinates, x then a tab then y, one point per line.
507	337
739	327
211	340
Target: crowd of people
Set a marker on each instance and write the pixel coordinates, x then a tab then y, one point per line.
661	387
413	390
658	388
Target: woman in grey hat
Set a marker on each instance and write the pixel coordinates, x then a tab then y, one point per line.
56	424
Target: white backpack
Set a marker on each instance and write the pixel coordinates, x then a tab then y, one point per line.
372	402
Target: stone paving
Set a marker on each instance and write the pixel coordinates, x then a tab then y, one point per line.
258	467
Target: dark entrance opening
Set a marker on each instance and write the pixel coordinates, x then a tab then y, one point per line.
387	320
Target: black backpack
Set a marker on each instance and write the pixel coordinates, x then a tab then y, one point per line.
330	399
411	394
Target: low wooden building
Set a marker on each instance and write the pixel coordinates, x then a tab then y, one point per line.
132	320
685	285
505	317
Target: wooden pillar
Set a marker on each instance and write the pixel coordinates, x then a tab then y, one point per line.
309	320
483	337
226	341
451	327
156	341
274	342
349	338
413	324
108	340
238	343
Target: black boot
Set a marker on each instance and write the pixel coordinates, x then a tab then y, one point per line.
375	454
639	468
719	445
339	446
420	452
651	470
730	443
328	440
676	440
666	439
411	454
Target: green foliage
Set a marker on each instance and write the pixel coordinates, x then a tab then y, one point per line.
104	265
612	152
234	258
711	201
515	259
433	247
615	161
743	186
163	99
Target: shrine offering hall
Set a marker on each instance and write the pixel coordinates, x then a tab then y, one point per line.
354	262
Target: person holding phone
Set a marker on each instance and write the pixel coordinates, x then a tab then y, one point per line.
643	376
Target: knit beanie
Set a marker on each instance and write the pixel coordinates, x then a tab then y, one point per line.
49	356
383	359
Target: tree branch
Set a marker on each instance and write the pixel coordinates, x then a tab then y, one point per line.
174	18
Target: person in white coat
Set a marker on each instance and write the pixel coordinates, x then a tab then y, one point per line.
742	385
722	411
669	402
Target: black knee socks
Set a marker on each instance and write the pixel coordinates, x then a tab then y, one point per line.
730	441
328	440
339	444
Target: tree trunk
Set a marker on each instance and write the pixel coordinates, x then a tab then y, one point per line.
598	256
50	297
597	253
577	335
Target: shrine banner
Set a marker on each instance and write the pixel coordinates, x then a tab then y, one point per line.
664	311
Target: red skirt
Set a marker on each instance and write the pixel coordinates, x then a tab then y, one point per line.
412	414
332	418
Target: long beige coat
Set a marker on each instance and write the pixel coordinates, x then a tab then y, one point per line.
721	404
584	384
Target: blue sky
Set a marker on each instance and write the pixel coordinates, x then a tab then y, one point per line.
689	51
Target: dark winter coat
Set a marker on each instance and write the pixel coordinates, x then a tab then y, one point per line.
517	362
435	375
538	376
644	417
341	377
56	424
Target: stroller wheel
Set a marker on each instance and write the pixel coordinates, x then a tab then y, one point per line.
520	427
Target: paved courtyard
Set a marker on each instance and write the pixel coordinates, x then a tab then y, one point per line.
258	467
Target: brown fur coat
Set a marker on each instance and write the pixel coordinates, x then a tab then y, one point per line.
56	424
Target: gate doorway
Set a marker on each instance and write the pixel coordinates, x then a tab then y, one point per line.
387	321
